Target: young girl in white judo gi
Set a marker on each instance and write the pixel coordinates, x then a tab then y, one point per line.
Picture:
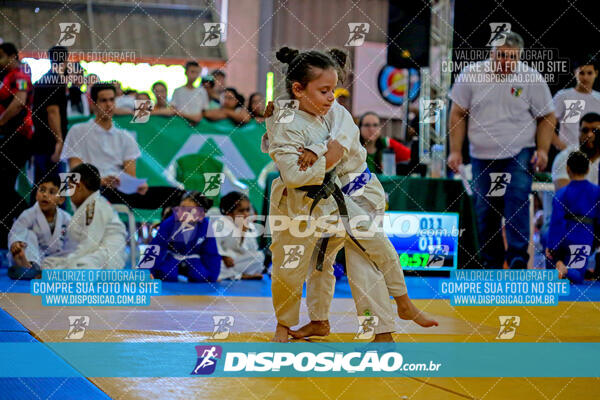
311	80
241	258
40	231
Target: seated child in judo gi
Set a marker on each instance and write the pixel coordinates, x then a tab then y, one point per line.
96	237
186	244
575	218
40	231
241	258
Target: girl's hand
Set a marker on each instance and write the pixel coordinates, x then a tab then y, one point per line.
562	269
335	152
306	159
269	110
228	262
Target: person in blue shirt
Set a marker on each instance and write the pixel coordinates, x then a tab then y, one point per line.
186	245
575	214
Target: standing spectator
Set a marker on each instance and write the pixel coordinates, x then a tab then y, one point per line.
114	152
256	106
232	108
15	132
162	105
581	99
190	101
219	76
370	137
142	96
90	80
508	106
77	102
50	115
208	83
589	144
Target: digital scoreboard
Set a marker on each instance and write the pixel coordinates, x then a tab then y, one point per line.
424	241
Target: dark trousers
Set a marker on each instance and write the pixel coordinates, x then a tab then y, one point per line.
14	152
156	197
512	204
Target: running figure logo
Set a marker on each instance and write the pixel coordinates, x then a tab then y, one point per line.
431	110
142	110
68	33
212	183
499	31
77	325
579	255
508	326
207	359
187	217
358	33
356	186
223	325
437	255
499	183
149	257
366	326
68	182
573	111
292	255
213	32
287	111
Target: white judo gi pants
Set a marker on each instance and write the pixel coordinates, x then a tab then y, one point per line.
371	287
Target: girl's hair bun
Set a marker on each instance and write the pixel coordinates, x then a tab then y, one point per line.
286	55
339	56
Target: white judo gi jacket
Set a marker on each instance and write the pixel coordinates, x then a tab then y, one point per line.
95	238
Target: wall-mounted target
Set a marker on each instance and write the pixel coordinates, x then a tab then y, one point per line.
391	83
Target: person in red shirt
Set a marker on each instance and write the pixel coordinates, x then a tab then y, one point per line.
16	129
370	137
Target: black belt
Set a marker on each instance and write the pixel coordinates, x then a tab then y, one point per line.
579	218
323	191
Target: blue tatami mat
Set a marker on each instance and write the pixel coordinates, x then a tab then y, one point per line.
418	288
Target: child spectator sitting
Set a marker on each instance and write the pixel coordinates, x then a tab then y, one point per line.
241	256
186	245
95	235
40	231
575	213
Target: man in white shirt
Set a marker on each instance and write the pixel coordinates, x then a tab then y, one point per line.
190	101
511	120
572	103
589	144
114	152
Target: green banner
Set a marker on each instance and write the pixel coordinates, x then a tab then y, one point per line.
164	140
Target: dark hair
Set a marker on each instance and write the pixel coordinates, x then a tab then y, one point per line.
52	178
197	198
589	118
191	63
300	64
58	54
230	201
239	97
380	144
157	83
218	72
250	99
578	163
588	59
100	86
129	91
90	176
9	49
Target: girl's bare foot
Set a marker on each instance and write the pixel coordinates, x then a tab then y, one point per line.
408	311
313	328
383	338
21	260
281	334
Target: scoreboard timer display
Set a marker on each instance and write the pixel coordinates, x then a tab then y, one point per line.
424	241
